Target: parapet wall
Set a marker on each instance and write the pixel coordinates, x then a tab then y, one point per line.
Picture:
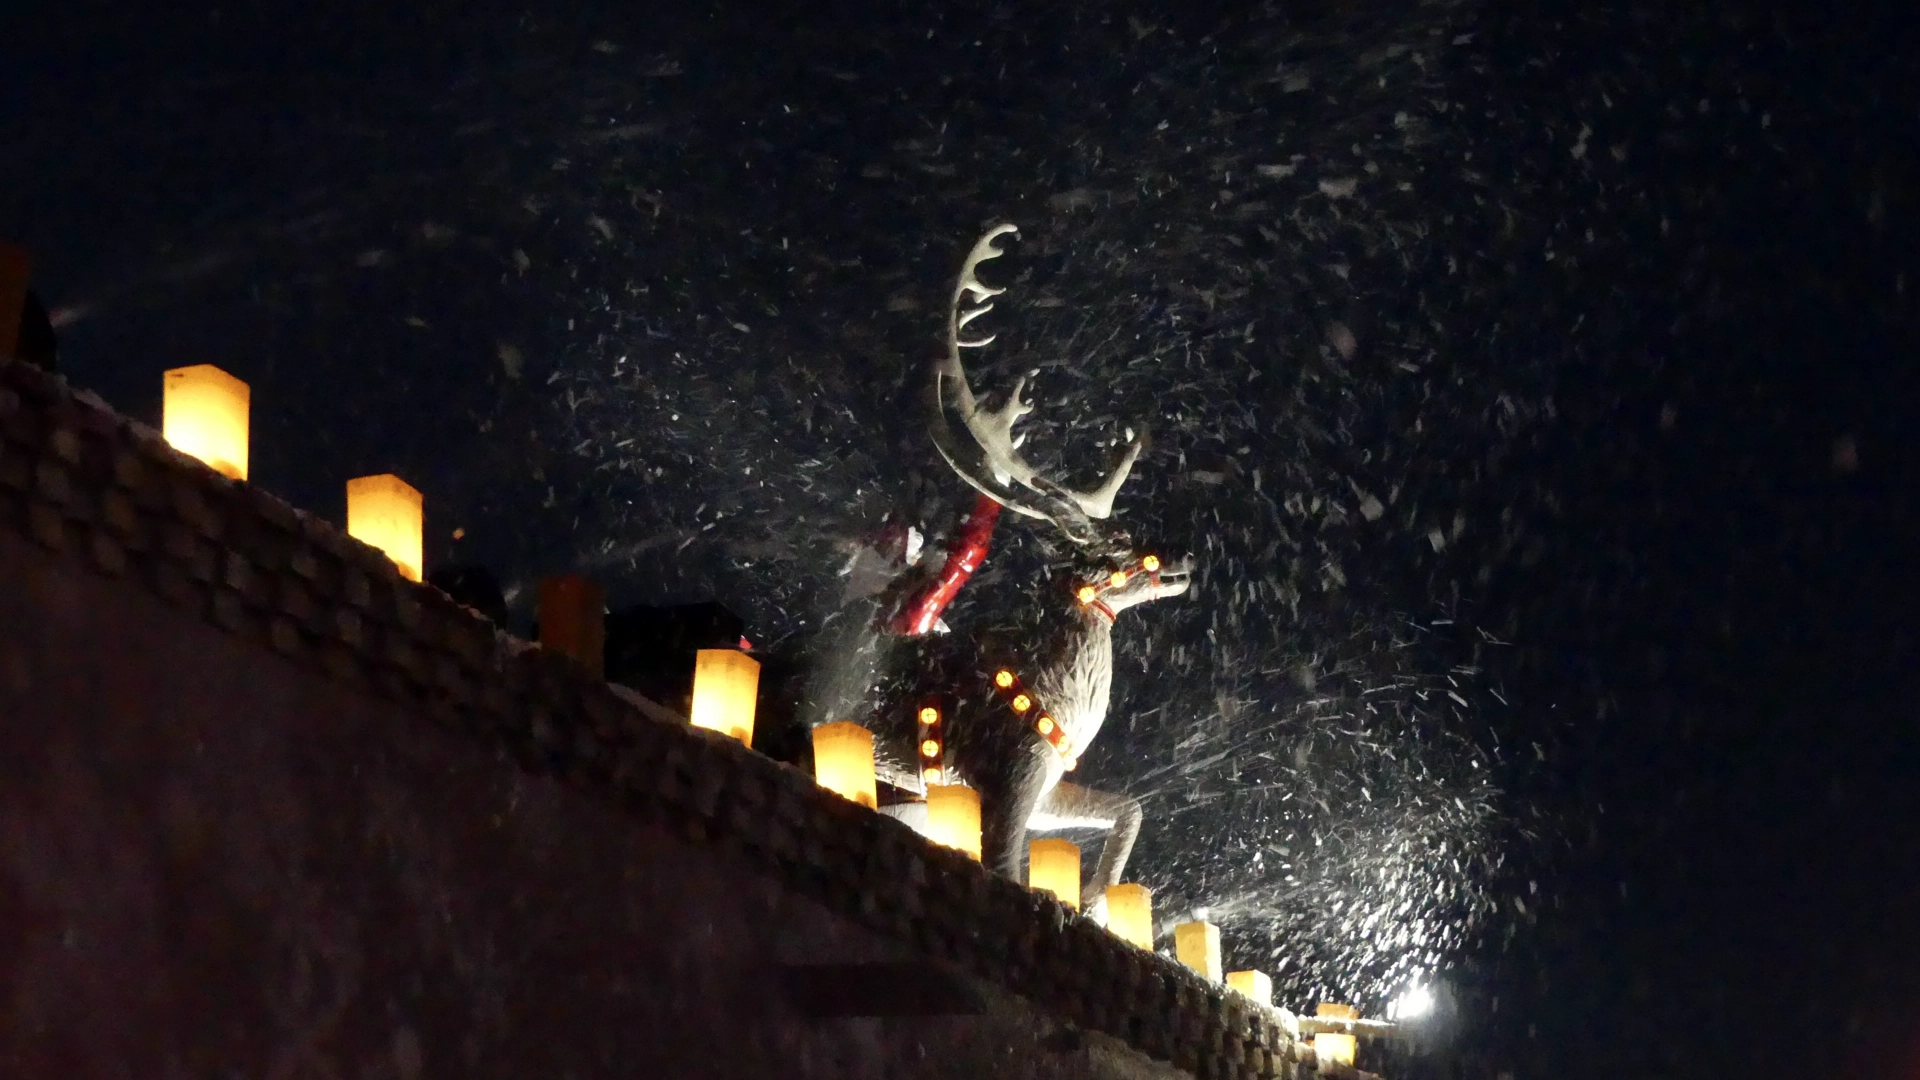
268	808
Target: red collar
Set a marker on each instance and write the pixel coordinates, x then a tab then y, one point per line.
1088	596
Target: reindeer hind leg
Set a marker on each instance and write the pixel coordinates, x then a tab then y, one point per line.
1070	806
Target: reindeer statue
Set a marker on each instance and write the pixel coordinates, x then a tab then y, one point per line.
1020	704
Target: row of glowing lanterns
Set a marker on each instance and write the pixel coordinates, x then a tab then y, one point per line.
843	763
206	416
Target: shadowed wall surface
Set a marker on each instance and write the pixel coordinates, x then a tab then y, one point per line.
250	762
212	861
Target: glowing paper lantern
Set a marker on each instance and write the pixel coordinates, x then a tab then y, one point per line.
726	683
1130	914
1333	1049
843	762
1254	984
1197	945
384	512
953	817
1054	866
205	415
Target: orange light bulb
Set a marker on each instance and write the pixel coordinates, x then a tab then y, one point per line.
1150	563
1118	579
929	715
1044	725
1021	703
931	776
1003	678
930	748
1087	594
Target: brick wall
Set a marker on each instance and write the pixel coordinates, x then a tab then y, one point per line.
268	809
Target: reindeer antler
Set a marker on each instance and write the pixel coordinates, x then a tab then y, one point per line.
992	464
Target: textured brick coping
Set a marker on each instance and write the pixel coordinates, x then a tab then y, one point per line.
91	485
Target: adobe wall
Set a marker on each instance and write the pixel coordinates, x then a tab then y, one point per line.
267	809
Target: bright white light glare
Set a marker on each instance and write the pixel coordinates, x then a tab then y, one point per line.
1416	1002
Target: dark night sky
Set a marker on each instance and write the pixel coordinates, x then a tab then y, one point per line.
1633	293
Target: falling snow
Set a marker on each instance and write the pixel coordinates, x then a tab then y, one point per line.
1373	283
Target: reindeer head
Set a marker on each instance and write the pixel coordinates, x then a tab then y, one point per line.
990	458
1128	579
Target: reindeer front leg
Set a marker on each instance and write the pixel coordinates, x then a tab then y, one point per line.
1070	806
1003	828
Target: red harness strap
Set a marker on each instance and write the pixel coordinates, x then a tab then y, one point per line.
964	556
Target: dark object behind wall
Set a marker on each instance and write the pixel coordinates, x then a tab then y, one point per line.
16	269
474	587
651	649
37	344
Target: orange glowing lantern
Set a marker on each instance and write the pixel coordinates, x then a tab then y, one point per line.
843	762
204	414
1054	866
1333	1049
16	267
573	620
953	817
1197	945
1253	984
1130	914
385	512
726	684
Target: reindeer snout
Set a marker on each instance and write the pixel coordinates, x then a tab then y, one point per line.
1176	576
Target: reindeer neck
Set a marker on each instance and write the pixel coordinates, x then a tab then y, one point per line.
1073	675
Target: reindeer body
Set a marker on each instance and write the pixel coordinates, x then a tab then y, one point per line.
1064	656
1067	662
